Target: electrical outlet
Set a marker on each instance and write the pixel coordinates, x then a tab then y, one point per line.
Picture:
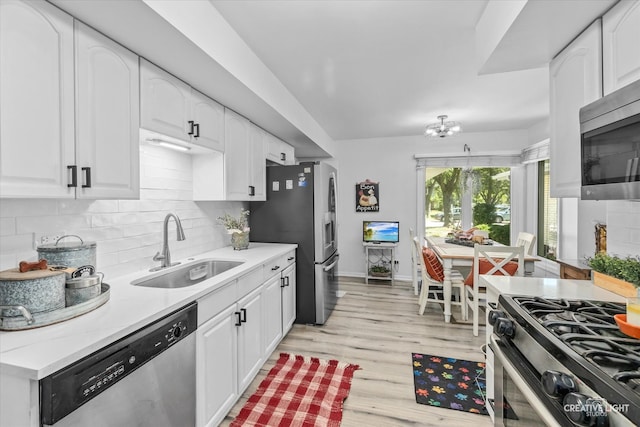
396	262
46	238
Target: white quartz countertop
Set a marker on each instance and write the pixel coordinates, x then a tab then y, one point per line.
36	353
548	288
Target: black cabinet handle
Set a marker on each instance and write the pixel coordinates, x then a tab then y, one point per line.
74	176
87	177
238	319
252	190
286	280
274	268
291	258
283	156
197	130
191	125
243	315
282	285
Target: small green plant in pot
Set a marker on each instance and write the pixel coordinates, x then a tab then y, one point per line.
379	270
619	275
238	227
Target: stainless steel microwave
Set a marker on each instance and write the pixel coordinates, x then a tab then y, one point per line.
610	146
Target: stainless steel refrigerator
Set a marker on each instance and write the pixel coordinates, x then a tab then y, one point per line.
301	208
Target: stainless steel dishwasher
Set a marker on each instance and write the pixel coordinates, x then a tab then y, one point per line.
144	379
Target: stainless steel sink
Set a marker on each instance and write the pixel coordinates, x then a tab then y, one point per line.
187	275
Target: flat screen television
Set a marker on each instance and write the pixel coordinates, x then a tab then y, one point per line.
380	231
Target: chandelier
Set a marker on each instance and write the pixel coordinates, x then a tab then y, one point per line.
443	128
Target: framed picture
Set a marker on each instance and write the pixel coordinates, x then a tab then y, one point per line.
367	196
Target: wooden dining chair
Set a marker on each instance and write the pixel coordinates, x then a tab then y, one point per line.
432	274
527	240
415	263
488	259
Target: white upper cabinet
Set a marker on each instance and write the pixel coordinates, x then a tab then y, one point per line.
37	102
575	80
208	116
244	161
165	102
65	133
172	108
620	50
279	151
236	166
257	164
107	117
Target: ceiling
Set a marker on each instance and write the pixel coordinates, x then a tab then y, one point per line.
314	72
366	69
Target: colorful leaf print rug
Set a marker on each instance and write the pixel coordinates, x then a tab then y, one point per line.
449	383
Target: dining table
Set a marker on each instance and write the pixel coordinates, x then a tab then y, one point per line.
458	255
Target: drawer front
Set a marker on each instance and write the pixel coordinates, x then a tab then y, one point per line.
213	303
289	258
250	281
277	265
273	267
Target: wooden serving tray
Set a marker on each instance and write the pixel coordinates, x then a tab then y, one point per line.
19	323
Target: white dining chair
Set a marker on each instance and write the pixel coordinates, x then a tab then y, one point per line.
415	263
431	283
488	259
527	240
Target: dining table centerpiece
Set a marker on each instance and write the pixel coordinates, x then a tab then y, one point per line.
238	228
618	275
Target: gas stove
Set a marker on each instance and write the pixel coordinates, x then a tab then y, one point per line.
587	370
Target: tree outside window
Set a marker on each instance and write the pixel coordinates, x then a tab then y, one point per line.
489	189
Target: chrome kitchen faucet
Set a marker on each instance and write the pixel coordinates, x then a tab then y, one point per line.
165	257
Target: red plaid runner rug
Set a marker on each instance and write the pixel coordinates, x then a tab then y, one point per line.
299	391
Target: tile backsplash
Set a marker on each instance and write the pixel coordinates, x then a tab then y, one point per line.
128	233
623	228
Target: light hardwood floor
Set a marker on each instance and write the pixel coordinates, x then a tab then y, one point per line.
378	327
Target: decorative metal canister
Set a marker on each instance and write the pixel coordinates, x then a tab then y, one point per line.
69	254
83	289
36	291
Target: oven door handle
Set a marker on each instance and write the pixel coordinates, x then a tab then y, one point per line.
522	385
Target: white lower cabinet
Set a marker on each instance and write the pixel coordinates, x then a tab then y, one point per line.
288	298
216	367
239	326
250	345
272	294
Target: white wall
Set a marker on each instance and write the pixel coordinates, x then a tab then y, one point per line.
391	162
128	233
623	228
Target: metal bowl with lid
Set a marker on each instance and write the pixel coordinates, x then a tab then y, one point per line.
69	254
83	288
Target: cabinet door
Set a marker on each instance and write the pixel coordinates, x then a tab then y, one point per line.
288	298
288	154
107	117
236	152
272	302
620	51
37	104
216	368
258	163
575	80
250	338
208	115
165	102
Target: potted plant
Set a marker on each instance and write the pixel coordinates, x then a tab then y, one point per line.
379	271
238	228
619	275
